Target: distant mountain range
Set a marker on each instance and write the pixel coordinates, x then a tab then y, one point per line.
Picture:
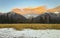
36	10
31	15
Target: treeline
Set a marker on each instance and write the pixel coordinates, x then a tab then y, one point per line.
11	17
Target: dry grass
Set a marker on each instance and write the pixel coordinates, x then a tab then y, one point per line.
32	26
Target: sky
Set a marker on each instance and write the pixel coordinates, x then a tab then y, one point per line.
7	5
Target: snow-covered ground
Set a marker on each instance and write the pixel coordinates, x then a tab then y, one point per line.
29	33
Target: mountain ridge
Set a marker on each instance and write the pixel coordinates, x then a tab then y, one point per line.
36	10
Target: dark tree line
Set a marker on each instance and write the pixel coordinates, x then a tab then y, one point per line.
12	17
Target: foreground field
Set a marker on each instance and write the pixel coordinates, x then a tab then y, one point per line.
31	26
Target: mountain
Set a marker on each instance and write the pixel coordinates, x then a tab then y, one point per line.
42	18
47	18
17	17
36	10
56	9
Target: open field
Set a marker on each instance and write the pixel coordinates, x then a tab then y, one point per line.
31	26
